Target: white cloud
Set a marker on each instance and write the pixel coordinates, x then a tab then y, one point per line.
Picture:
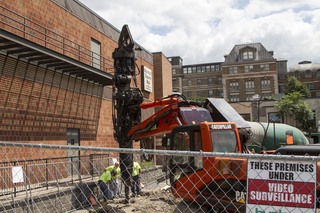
203	31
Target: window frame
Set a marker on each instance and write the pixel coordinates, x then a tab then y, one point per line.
249	85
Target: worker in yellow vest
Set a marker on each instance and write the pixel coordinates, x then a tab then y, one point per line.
114	192
136	172
104	181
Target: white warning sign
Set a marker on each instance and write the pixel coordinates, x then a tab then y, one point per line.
279	186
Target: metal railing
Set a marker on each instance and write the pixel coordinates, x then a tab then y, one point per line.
45	172
19	25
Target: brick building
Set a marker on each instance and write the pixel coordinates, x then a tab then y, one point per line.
56	72
308	73
248	69
203	80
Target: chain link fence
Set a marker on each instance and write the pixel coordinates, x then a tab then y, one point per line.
51	178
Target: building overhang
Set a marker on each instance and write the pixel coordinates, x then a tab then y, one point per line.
24	49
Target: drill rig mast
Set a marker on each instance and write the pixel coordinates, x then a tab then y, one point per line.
126	100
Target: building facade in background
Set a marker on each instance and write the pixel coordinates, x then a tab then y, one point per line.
249	69
309	74
202	80
248	78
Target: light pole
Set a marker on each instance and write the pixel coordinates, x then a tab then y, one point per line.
257	98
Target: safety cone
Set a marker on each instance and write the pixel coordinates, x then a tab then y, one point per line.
92	201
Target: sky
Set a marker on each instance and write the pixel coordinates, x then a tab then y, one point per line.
203	31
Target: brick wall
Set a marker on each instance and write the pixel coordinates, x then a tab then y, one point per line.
33	111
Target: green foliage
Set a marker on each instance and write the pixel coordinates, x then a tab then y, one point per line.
197	98
272	97
146	164
294	85
292	105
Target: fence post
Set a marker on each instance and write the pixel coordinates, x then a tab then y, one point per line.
47	174
14	184
71	170
91	165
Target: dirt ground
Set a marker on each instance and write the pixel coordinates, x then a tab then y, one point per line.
154	201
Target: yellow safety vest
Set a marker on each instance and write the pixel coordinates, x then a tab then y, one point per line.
135	169
110	168
105	177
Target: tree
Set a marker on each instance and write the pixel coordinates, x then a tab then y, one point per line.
292	106
294	85
197	98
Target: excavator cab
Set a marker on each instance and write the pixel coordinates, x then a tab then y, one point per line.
185	171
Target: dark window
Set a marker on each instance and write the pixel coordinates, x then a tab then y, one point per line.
246	116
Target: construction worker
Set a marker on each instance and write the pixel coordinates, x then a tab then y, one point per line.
104	181
136	172
114	192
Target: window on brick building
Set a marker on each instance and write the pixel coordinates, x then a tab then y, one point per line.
248	68
310	86
212	68
297	74
233	70
194	69
246	116
173	71
189	70
219	80
198	69
265	84
199	94
220	92
308	74
234	98
189	83
207	68
249	85
199	82
174	83
249	97
234	86
210	93
218	67
189	94
264	67
282	88
185	70
95	48
209	81
265	95
203	69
